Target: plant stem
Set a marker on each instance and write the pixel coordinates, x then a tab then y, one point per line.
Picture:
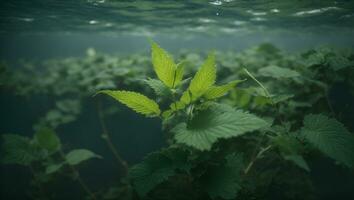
81	182
40	186
259	154
105	135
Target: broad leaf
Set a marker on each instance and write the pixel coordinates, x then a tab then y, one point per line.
211	124
330	137
164	65
204	78
77	156
20	150
297	160
218	91
47	139
156	168
136	101
224	181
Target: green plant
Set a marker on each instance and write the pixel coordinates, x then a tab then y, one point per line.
44	156
203	134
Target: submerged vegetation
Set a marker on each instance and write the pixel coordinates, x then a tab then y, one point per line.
246	125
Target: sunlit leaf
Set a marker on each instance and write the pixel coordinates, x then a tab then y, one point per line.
136	101
204	78
164	65
218	91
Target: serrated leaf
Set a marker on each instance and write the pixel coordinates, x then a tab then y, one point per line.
209	125
164	66
204	78
179	74
47	139
20	150
224	181
278	72
330	137
218	91
159	88
156	168
77	156
136	101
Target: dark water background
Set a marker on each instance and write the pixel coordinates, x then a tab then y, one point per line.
37	30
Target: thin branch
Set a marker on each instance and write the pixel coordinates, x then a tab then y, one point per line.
105	135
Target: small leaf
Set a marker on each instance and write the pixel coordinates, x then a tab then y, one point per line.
164	65
278	72
179	74
77	156
330	137
47	139
218	91
159	88
136	101
204	78
211	124
53	168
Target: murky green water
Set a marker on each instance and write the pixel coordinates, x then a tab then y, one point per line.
272	120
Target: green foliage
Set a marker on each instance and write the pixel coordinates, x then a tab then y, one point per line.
224	181
204	78
166	69
138	102
277	72
77	156
47	139
206	135
212	124
20	150
330	137
156	168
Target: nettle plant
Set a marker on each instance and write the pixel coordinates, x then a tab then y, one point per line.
209	153
44	156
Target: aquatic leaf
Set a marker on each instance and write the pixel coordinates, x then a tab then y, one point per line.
52	168
156	168
290	149
298	160
224	181
77	156
159	88
211	124
278	72
164	65
179	74
20	150
136	101
47	139
218	91
330	137
204	78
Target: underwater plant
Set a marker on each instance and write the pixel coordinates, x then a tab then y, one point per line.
227	138
203	153
44	156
